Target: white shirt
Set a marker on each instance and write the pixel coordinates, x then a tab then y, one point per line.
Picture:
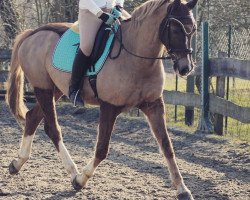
95	6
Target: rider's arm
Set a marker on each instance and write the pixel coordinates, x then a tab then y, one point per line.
125	14
91	6
119	3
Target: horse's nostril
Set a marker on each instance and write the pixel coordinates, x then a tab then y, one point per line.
184	71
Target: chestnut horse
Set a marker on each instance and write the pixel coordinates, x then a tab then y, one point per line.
126	82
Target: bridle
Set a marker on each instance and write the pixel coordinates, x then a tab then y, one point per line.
165	35
164	32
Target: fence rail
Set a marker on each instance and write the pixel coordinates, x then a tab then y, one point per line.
29	96
3	75
230	67
223	67
182	98
217	104
5	54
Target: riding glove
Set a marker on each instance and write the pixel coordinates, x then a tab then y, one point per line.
107	18
117	11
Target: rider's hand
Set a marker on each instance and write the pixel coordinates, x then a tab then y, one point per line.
119	8
117	11
107	18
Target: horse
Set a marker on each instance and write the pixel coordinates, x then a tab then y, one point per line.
134	79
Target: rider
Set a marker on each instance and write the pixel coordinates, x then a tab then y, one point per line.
91	15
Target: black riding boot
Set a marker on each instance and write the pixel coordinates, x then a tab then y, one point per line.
80	66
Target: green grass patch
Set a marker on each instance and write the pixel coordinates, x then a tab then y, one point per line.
239	93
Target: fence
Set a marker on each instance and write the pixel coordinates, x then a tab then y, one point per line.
236	89
235	41
4	60
5	56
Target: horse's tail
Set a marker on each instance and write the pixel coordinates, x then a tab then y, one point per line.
15	83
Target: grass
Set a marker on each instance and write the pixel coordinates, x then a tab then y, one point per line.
239	93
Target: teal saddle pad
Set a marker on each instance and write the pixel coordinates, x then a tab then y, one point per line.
66	49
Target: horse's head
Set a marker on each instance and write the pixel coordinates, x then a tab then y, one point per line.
176	31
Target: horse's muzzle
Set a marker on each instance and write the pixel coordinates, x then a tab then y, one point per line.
183	70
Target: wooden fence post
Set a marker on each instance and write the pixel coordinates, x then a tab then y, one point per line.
220	91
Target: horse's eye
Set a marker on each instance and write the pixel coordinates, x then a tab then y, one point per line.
176	31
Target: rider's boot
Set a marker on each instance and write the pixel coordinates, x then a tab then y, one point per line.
80	66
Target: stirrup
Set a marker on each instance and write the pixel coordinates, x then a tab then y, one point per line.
76	99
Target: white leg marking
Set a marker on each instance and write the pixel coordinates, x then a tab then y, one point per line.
174	172
24	152
88	171
181	188
176	177
67	161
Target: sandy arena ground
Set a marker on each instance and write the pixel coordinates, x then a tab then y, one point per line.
212	168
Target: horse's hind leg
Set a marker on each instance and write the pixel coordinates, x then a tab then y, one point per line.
108	114
155	113
46	100
33	118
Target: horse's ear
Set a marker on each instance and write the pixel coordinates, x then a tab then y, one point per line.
176	4
191	4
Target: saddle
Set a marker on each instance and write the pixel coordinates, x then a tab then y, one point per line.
100	43
67	46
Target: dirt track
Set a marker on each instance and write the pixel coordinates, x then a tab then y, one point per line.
212	168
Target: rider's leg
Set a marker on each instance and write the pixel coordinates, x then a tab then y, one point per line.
88	27
80	65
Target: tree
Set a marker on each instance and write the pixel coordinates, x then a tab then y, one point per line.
9	18
64	10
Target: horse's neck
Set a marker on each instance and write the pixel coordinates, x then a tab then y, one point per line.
142	38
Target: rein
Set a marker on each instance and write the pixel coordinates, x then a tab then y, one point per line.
129	52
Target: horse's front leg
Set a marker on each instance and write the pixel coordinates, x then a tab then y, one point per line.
155	113
108	114
46	100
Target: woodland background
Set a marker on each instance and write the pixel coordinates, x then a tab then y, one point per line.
17	15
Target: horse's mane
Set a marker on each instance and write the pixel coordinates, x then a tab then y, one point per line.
147	9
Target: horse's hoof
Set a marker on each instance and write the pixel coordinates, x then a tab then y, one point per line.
76	185
185	196
12	169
